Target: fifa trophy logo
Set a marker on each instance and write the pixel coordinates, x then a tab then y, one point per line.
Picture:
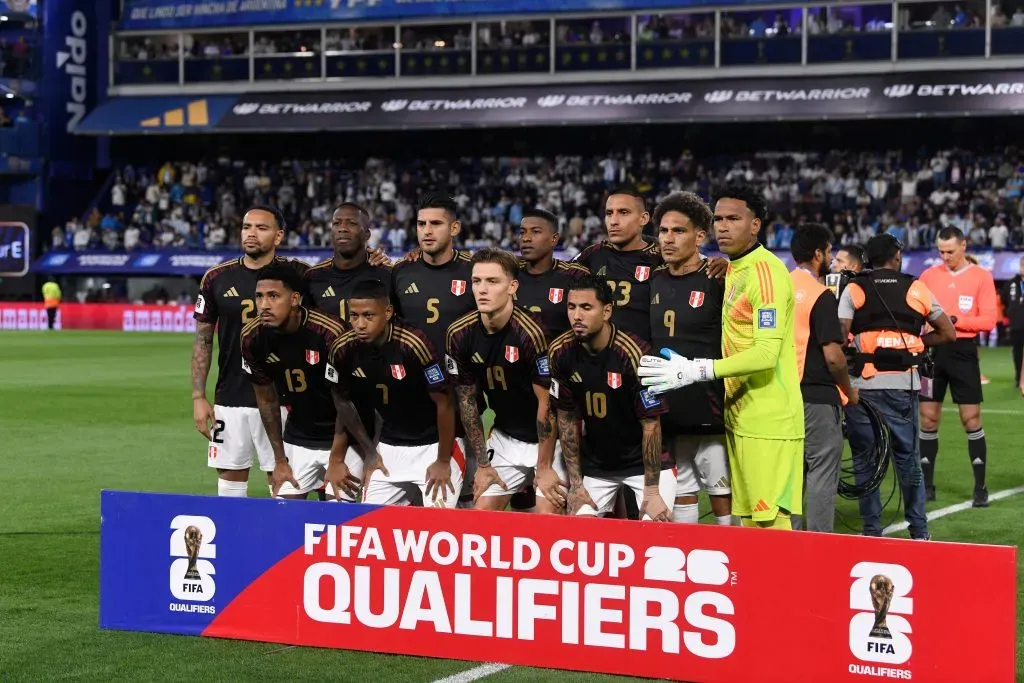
194	539
881	588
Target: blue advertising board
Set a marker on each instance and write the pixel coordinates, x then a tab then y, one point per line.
15	253
191	14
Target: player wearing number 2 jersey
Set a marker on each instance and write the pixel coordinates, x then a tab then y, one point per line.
227	301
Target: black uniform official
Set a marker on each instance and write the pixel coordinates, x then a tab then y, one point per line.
628	273
686	316
545	294
298	366
328	288
1013	303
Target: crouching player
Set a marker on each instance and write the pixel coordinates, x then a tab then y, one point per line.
393	367
285	354
594	380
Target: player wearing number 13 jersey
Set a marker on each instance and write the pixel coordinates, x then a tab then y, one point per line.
226	302
626	261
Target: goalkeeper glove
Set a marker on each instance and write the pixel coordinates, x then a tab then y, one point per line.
662	375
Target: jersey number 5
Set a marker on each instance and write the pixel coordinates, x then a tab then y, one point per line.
434	311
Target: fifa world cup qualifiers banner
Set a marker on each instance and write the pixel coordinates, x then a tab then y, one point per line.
695	603
189	14
124	317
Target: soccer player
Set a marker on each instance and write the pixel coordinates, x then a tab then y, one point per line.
594	381
227	302
850	257
501	350
285	354
686	317
626	260
967	293
543	279
328	285
397	368
433	291
764	413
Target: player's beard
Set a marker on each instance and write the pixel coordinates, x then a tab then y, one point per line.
824	269
256	252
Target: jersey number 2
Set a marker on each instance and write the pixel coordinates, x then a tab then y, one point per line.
218	428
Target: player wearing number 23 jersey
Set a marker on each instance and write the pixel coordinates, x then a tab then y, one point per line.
629	274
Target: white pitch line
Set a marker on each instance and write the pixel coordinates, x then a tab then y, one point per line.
951	509
475	674
988	411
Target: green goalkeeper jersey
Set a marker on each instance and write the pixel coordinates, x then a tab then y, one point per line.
762	384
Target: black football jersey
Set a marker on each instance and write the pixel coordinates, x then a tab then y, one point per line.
546	294
505	365
298	365
431	298
327	288
629	275
227	299
605	390
397	377
686	316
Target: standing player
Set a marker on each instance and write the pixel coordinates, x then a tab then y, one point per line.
328	285
432	291
543	279
626	260
764	413
686	317
968	295
501	349
227	301
594	381
285	353
396	367
849	257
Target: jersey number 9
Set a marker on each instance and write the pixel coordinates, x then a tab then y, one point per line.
670	322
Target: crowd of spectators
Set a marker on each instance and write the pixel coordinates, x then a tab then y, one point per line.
198	205
15	57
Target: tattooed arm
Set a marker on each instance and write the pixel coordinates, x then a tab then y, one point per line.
473	424
654	506
202	356
545	428
569	436
270	413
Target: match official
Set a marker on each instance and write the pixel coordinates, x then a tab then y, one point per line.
968	294
822	367
52	296
1013	302
886	311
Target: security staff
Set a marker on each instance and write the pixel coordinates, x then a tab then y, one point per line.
886	312
823	371
1013	302
51	300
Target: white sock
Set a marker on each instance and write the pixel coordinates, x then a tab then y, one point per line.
724	520
232	489
270	490
685	514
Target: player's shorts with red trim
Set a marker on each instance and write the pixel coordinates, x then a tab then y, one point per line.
767	474
406	480
309	467
239	438
604	490
702	463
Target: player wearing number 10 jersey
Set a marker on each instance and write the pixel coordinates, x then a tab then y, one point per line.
227	301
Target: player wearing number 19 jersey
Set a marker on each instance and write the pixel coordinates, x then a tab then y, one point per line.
226	302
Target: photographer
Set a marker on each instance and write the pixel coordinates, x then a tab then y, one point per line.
886	312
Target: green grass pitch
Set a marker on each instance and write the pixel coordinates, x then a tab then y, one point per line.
85	411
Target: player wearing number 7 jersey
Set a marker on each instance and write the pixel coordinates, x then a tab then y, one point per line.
226	302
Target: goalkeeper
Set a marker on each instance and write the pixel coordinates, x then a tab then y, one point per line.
764	415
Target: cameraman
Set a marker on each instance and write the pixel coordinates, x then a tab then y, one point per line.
886	311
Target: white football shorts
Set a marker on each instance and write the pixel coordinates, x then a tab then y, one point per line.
603	490
238	435
309	467
407	473
702	463
515	462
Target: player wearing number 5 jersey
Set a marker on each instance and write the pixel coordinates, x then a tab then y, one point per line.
285	353
764	416
594	382
226	302
433	291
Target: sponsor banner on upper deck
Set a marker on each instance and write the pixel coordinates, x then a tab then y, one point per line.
191	14
683	602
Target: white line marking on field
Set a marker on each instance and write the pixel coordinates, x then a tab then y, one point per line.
950	509
989	411
475	674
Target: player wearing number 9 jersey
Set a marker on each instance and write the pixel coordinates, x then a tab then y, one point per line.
433	291
626	261
226	302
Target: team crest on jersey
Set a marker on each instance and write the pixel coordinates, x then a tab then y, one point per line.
555	295
642	273
696	299
458	287
614	380
511	353
312	357
398	371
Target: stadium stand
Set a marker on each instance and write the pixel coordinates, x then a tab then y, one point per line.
195	205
